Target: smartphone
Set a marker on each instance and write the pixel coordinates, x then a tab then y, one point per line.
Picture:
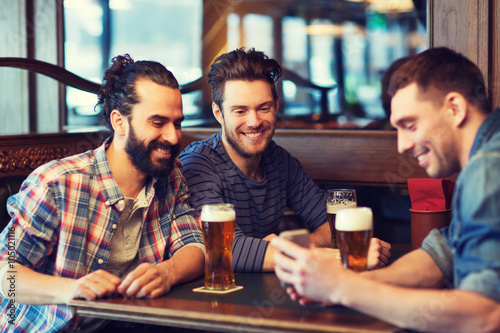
299	236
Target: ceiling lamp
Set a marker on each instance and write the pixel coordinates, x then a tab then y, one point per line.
391	6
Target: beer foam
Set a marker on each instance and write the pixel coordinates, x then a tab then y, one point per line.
220	215
332	208
354	219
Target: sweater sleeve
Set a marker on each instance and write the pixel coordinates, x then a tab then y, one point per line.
248	253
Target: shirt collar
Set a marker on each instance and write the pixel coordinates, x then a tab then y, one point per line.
488	128
104	176
107	182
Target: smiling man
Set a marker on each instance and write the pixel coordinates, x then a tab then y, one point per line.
452	283
243	166
114	220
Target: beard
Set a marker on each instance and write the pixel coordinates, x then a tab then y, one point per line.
246	151
140	155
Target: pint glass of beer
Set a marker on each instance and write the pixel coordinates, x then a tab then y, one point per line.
354	232
218	223
335	200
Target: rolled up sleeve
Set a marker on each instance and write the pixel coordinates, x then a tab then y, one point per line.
437	247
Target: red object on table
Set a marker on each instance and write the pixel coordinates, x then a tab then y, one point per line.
430	194
431	206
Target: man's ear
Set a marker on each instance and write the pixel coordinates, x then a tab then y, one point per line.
217	113
118	122
457	106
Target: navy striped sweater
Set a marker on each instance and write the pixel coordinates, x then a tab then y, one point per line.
212	177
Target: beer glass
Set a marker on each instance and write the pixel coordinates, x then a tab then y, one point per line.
335	200
218	223
354	232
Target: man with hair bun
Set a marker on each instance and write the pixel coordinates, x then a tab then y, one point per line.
114	220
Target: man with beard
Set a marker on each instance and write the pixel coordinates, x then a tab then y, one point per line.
114	220
243	166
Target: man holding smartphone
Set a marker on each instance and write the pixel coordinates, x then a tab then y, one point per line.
442	113
243	166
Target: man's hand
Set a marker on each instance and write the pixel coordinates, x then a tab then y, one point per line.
94	285
313	273
146	281
378	253
269	237
268	264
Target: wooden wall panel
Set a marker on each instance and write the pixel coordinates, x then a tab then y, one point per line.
471	28
448	24
21	154
350	157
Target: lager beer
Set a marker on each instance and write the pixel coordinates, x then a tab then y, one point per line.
218	221
331	210
354	232
335	200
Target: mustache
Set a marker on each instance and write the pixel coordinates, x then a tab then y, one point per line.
165	145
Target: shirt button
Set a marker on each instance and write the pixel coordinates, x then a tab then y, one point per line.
100	261
121	204
114	226
108	202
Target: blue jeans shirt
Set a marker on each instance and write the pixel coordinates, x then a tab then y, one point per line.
468	251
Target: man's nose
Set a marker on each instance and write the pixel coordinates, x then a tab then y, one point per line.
405	143
171	134
253	119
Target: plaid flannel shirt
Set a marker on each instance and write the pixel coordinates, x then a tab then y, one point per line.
63	219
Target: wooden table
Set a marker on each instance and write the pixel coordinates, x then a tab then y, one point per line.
261	306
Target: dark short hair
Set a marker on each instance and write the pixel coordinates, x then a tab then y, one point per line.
386	78
443	70
118	86
241	64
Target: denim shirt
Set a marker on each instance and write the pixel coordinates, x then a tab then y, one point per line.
468	251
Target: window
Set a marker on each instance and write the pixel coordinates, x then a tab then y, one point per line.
167	31
343	46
